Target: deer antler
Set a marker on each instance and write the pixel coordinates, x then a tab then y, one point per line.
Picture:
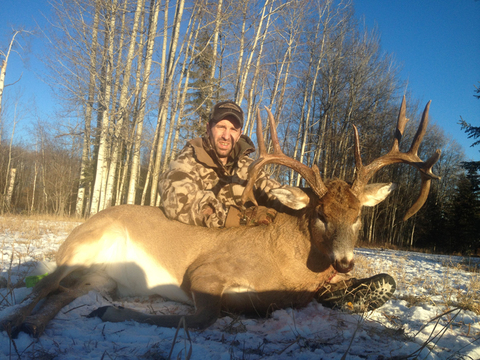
311	175
365	173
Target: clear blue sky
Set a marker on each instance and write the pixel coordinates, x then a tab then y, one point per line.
437	42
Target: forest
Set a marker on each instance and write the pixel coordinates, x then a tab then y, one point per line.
137	78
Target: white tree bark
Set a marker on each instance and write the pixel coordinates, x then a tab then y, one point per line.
216	32
182	91
3	69
101	170
132	186
163	67
165	100
88	113
11	183
123	102
246	70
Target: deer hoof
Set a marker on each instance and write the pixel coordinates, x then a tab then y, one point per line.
100	312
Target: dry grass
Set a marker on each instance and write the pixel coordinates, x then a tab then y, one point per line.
28	233
33	225
451	294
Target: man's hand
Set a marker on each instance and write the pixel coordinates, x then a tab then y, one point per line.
208	210
253	216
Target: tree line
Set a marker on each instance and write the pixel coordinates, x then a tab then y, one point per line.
136	78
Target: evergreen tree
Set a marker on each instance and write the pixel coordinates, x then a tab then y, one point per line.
431	228
464	216
472	132
200	102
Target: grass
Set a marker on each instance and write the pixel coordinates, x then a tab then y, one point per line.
28	232
451	295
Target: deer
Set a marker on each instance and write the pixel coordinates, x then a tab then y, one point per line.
136	250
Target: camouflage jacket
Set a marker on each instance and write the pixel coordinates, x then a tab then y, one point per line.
196	180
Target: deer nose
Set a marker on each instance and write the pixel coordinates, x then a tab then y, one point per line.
344	265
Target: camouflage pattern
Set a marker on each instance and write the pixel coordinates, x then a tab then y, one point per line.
197	180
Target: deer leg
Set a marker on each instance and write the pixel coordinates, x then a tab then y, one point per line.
207	301
35	324
205	315
40	291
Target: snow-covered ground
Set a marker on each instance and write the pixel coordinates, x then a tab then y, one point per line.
423	320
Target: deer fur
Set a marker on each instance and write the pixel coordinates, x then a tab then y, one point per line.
246	269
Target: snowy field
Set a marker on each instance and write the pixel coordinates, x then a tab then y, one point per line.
434	314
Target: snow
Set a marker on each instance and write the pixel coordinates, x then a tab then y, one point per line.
422	320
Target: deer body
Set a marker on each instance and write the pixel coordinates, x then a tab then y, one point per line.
140	249
245	269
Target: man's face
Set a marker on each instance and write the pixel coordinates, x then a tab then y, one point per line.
223	136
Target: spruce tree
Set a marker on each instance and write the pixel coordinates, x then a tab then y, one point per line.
200	101
472	132
464	216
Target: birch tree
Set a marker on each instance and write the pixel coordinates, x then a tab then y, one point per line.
192	34
165	99
122	113
88	112
243	74
3	70
104	113
152	29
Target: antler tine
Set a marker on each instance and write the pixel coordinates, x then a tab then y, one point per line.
273	132
260	141
311	175
357	153
248	194
365	173
422	129
401	122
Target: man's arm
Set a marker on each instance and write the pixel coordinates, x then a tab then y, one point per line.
183	197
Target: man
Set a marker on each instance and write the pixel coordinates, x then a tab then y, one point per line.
204	184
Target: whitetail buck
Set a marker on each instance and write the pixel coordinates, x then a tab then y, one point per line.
245	269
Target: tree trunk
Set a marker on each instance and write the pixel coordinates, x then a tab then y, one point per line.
88	113
3	72
123	104
165	101
101	170
11	183
253	85
181	91
152	30
244	76
216	32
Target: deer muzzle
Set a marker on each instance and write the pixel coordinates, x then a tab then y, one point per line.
344	265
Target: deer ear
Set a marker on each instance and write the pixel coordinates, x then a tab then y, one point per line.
376	193
292	197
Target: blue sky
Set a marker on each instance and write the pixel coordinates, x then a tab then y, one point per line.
437	42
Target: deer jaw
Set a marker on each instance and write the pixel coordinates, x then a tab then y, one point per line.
335	218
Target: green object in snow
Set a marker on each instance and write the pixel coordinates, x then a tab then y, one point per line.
30	281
